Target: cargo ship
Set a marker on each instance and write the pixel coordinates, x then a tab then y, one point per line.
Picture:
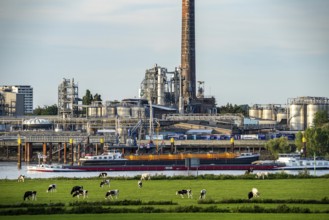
116	161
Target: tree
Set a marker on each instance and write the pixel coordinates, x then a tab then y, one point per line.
97	97
320	118
317	140
229	108
87	98
46	110
278	145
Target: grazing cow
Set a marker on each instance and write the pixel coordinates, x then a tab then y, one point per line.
51	188
30	195
103	175
254	193
80	192
76	188
112	193
21	178
146	176
203	193
105	182
183	192
140	184
262	175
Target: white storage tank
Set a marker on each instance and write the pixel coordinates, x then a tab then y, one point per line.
111	111
281	116
123	111
268	114
254	113
296	117
312	109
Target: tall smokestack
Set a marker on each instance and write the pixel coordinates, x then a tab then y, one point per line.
188	50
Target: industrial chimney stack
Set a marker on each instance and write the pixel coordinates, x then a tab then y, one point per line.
188	50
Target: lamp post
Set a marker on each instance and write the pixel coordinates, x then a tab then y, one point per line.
304	146
232	144
19	154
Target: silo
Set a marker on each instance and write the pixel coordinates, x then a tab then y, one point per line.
281	116
137	112
296	117
267	114
254	113
111	111
123	111
312	109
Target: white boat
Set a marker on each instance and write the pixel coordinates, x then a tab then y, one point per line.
295	162
52	168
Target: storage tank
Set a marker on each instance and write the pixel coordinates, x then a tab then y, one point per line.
312	109
281	116
123	111
268	114
111	111
137	112
296	117
254	113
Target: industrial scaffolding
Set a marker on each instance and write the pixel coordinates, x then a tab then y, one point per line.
68	99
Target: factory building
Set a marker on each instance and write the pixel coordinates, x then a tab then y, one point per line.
23	90
11	104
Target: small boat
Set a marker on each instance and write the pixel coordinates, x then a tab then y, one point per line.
296	162
52	168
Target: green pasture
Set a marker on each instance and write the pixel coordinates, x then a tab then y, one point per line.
174	216
275	195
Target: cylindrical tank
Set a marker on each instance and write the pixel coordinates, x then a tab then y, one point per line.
254	113
267	114
123	111
281	116
296	117
137	112
111	111
312	109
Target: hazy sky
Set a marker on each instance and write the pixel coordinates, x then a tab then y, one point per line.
247	51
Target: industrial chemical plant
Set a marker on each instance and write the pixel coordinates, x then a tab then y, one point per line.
170	103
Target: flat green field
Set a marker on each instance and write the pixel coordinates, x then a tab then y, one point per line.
226	199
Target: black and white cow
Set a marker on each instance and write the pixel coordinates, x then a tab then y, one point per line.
254	193
80	192
203	193
102	175
183	192
30	195
140	184
51	188
20	178
112	193
104	182
76	188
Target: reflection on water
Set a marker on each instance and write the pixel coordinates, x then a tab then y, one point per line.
8	170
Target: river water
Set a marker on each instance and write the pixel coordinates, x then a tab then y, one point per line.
8	170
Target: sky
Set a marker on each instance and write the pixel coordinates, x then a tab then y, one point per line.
247	52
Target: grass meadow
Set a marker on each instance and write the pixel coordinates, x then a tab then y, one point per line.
304	198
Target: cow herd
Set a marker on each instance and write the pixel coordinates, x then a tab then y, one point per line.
78	191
